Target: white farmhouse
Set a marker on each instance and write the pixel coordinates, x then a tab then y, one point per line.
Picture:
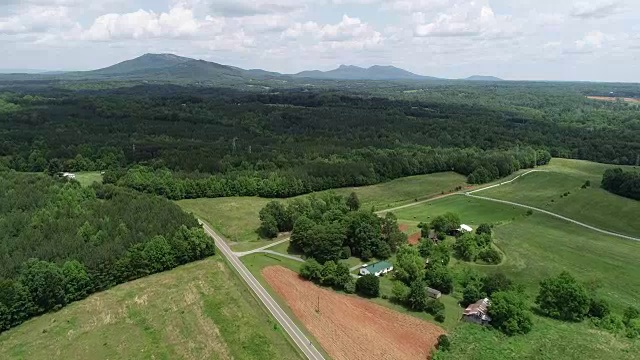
377	269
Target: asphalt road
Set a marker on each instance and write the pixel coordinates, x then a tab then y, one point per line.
285	321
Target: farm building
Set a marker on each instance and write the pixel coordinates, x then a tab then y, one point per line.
464	229
69	175
477	312
433	293
377	269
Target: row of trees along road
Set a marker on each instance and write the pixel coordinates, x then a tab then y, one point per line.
61	242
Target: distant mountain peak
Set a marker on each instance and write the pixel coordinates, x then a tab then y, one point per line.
483	78
375	72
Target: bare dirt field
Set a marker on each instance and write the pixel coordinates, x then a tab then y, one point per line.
403	227
351	328
611	98
414	239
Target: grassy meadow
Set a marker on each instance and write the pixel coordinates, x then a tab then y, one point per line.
539	246
88	177
237	217
593	205
197	311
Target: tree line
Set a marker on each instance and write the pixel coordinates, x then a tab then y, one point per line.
357	168
622	182
61	242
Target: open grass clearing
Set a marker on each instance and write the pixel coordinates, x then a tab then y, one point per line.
89	177
200	310
593	205
549	340
349	327
236	218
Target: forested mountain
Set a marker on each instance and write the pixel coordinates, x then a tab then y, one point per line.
145	62
483	78
60	242
376	72
169	67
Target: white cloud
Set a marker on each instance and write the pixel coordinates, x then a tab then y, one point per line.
592	40
241	8
595	8
178	22
36	19
471	18
349	33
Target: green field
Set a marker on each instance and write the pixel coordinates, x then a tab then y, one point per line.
197	311
539	246
88	178
405	190
593	205
237	217
536	247
549	340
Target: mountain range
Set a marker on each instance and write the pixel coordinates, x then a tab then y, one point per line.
170	67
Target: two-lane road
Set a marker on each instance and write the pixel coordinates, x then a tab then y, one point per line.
285	321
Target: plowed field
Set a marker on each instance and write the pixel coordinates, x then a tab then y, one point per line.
351	328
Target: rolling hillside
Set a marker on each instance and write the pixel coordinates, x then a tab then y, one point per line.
197	311
591	205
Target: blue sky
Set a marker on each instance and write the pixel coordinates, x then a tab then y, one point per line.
595	40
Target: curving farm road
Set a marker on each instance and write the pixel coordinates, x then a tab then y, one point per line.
470	194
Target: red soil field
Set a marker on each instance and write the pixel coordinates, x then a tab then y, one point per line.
414	238
403	227
611	98
351	328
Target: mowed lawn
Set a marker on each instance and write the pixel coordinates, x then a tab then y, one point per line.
593	205
197	311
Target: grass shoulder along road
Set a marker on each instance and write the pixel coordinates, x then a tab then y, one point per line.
200	310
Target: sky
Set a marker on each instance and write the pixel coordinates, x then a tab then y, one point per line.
585	40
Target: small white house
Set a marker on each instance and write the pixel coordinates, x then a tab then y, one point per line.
377	269
69	175
465	229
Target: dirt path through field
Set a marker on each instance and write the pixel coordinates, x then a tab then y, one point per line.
351	328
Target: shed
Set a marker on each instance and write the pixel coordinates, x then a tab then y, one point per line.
433	293
465	228
378	269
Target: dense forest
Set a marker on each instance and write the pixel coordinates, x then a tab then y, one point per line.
280	142
621	182
60	242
